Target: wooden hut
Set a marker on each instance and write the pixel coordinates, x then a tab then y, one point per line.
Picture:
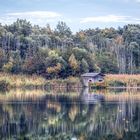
92	78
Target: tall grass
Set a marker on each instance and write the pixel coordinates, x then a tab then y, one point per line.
123	80
22	80
70	82
28	81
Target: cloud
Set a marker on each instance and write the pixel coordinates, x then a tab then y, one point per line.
35	17
110	19
35	14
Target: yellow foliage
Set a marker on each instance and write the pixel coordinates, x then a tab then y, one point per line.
73	62
119	40
54	69
53	53
7	67
81	34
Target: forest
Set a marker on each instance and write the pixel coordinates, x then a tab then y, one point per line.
60	53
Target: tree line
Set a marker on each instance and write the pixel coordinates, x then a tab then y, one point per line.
53	53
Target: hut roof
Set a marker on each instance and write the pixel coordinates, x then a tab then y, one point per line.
91	74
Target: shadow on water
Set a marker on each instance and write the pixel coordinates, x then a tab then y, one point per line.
66	115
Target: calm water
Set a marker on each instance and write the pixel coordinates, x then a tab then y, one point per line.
75	115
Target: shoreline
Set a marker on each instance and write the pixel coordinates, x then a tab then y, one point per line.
116	81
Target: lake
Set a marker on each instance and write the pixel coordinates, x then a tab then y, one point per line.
75	114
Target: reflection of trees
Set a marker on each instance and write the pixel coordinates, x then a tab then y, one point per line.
63	118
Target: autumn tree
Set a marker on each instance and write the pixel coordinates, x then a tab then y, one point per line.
73	63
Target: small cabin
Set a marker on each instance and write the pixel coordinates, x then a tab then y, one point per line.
92	78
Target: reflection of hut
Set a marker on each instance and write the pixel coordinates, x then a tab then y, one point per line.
92	78
92	97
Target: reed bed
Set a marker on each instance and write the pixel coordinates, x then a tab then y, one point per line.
22	80
123	80
26	81
72	82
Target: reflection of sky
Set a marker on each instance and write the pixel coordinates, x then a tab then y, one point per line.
84	13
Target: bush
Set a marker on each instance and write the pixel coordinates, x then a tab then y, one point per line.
7	67
4	85
117	84
98	85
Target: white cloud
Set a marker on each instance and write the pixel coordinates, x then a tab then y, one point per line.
110	19
35	17
35	14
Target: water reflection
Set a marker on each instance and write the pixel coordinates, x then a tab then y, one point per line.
88	96
66	116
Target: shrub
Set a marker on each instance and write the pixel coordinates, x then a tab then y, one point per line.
4	85
98	85
117	84
7	67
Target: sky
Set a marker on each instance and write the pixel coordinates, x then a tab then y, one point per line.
78	14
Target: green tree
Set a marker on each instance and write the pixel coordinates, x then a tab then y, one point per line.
107	63
79	53
84	67
2	57
20	27
63	30
17	62
55	66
